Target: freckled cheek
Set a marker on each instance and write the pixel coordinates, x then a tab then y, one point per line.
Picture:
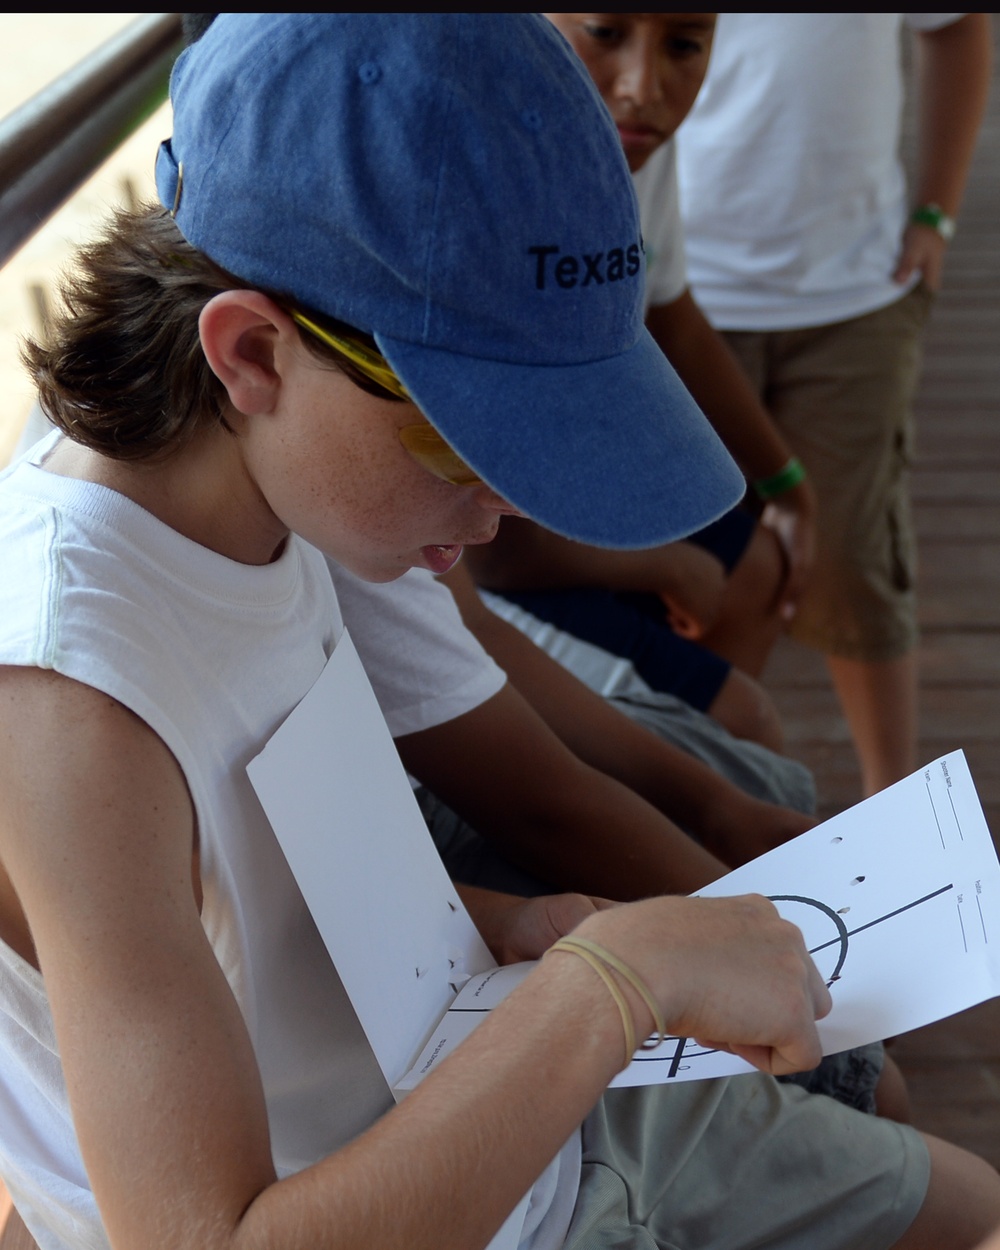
371	490
394	511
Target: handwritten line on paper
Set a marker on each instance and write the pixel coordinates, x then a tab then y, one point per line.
930	799
958	823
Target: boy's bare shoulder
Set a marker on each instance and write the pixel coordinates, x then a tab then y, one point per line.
94	802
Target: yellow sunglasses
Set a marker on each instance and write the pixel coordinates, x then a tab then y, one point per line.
421	441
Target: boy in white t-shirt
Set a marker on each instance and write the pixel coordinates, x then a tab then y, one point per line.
803	251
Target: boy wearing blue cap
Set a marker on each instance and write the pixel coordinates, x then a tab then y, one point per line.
180	1063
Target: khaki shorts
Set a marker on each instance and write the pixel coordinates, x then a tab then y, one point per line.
743	1163
842	396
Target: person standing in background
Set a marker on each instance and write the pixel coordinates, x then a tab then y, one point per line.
806	250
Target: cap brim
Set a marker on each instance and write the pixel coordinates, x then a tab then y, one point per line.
612	452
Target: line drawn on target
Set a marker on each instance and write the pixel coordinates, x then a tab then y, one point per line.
816	924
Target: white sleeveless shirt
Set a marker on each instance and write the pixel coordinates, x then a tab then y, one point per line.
212	655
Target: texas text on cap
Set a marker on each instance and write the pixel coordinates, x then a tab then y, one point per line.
452	184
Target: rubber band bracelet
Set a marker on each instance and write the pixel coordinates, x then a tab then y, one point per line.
600	959
784	480
628	1022
632	977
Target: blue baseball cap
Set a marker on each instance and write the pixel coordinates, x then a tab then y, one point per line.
453	185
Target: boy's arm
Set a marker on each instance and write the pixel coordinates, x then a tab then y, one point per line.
507	775
524	556
954	64
96	837
733	826
712	374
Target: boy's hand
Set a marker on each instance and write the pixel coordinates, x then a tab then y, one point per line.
516	929
728	972
792	519
922	251
739	828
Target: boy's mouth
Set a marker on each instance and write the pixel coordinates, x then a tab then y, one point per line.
635	133
440	557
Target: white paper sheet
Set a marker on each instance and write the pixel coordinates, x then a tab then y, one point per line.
337	797
339	802
898	900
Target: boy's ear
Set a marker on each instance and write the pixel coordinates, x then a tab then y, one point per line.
242	335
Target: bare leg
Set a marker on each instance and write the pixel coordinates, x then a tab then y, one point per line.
892	1098
962	1203
746	709
879	699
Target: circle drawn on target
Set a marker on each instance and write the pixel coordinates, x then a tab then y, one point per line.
825	933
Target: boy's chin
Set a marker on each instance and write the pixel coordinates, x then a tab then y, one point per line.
636	160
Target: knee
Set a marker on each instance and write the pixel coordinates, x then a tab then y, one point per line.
745	708
962	1204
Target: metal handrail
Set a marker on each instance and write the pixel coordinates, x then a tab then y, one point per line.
53	142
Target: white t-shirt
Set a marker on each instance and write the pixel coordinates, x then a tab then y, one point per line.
424	665
212	655
792	192
662	234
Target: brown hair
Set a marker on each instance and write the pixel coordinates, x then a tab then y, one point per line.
123	371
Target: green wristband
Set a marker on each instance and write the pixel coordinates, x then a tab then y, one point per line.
933	215
784	480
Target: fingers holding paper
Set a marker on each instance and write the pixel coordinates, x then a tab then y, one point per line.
729	972
517	929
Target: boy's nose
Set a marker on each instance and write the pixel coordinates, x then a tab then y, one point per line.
487	498
639	78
